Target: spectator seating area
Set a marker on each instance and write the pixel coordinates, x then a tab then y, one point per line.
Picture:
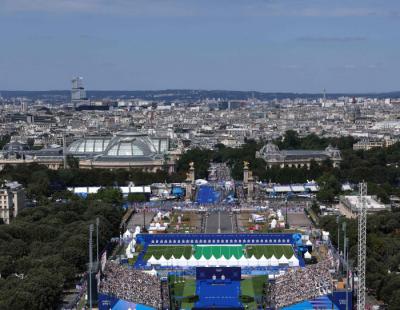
301	284
131	285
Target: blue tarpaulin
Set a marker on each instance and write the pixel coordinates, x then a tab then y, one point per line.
207	194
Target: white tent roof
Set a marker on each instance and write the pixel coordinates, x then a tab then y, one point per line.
263	261
182	261
274	261
213	261
127	234
297	188
152	260
253	261
243	261
233	261
293	261
162	261
202	261
283	260
128	251
282	188
307	255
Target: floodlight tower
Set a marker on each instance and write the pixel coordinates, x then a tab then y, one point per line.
91	229
64	151
362	246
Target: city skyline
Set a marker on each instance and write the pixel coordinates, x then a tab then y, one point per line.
268	46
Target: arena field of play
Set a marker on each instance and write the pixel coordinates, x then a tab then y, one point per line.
183	288
269	250
168	251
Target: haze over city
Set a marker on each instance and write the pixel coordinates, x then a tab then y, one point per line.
264	45
199	154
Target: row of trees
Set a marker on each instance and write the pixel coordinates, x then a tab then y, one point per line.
383	252
45	248
41	182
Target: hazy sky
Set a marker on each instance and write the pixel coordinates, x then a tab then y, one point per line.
265	45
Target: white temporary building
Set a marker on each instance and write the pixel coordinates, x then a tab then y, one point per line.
274	261
283	260
162	261
127	234
293	261
243	261
132	245
152	260
253	261
128	251
213	261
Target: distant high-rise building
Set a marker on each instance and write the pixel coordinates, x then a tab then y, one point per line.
78	93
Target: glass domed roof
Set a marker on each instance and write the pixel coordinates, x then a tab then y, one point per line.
126	145
130	146
89	145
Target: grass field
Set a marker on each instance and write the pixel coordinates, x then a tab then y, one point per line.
269	250
187	288
253	287
168	251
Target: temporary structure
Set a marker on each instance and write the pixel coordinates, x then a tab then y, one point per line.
274	261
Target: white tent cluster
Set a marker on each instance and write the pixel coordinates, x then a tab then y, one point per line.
157	225
130	249
222	261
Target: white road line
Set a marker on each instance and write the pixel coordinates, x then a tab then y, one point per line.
219	222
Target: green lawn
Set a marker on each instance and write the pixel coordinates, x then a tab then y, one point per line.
247	288
187	288
168	251
269	250
253	287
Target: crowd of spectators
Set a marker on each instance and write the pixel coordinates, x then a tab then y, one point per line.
131	285
301	284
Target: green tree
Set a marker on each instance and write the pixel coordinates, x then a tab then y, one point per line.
109	195
30	142
136	197
72	162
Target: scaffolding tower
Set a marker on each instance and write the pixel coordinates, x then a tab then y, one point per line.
362	246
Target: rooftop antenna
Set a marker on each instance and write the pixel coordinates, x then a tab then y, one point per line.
324	98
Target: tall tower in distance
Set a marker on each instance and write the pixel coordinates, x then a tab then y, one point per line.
78	93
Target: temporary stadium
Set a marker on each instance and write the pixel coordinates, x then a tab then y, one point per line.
221	271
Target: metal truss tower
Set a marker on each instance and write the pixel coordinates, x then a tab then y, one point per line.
362	246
